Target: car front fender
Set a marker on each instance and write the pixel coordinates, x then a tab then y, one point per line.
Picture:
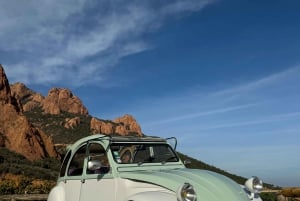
152	196
57	194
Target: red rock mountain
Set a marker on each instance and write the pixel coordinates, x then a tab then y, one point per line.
16	132
58	100
125	125
62	100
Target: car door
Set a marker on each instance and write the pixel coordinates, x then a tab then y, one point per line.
73	179
99	184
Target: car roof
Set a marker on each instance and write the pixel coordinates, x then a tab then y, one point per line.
116	139
136	139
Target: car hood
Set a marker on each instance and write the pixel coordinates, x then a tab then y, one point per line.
209	186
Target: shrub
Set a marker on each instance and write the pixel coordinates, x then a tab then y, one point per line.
23	184
7	187
268	196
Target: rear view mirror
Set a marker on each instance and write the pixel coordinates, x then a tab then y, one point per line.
94	165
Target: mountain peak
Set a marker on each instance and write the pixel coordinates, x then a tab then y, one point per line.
16	132
58	100
33	132
5	96
62	99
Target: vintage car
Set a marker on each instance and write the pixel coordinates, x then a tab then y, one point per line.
106	168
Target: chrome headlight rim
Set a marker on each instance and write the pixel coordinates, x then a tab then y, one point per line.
186	192
254	184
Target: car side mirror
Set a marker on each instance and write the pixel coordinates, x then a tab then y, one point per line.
187	162
94	165
172	141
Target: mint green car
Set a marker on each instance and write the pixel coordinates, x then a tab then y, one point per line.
106	168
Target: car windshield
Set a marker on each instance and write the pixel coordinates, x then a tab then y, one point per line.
143	153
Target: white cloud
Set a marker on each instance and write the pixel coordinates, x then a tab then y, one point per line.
268	101
203	113
180	6
271	81
262	120
33	24
68	35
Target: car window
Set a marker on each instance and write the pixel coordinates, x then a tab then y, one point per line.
98	153
64	165
76	165
143	153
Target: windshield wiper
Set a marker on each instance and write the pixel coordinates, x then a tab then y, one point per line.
140	163
168	159
148	160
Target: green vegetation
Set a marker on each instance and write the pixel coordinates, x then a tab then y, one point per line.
54	125
268	196
16	164
24	185
19	175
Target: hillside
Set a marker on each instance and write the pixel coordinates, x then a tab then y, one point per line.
34	131
52	124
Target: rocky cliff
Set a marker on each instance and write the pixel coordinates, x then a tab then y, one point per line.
61	100
16	132
60	117
58	100
125	125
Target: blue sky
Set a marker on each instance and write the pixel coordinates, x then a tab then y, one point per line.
223	76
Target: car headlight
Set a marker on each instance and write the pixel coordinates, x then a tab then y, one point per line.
186	192
254	184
